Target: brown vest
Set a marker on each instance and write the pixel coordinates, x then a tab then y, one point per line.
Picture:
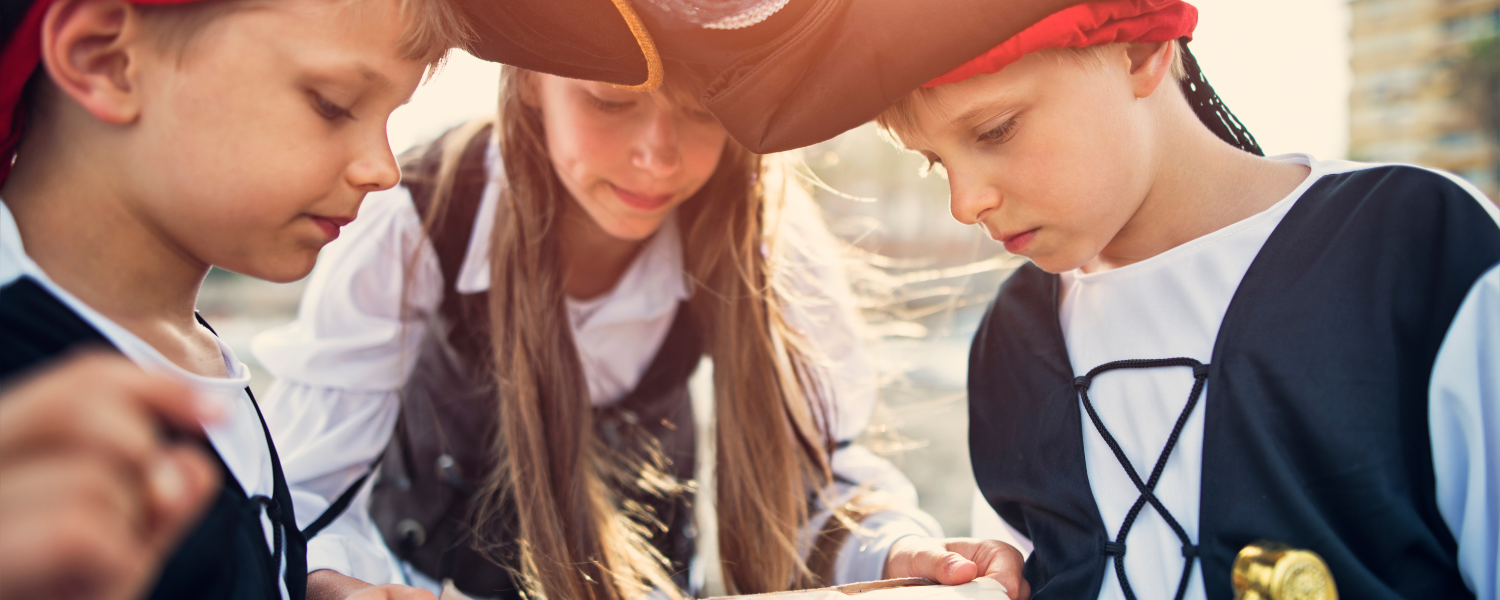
441	452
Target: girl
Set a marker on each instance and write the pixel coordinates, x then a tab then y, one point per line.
524	313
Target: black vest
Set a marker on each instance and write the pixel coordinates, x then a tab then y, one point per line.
225	556
1316	431
441	451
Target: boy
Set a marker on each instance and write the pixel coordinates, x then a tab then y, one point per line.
153	142
1127	418
1211	348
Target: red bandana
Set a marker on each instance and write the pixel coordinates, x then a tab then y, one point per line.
1089	24
18	60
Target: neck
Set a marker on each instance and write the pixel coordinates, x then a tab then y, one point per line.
593	260
85	233
1183	204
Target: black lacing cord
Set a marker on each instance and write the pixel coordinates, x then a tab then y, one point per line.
273	510
1211	109
1147	488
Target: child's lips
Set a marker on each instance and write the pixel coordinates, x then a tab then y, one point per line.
641	201
1016	243
330	225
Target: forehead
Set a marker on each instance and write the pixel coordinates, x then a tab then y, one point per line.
926	115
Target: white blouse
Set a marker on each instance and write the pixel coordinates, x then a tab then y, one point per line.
1125	314
340	365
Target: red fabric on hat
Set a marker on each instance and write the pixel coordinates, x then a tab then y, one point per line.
1090	24
18	60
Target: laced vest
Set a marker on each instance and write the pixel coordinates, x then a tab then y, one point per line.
1316	430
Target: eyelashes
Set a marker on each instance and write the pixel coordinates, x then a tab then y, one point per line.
329	110
608	106
1000	134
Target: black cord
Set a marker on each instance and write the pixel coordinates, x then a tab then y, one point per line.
1147	488
273	510
1211	109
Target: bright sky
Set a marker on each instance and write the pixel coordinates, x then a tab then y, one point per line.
1281	65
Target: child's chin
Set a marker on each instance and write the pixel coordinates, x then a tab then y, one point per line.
1054	264
284	271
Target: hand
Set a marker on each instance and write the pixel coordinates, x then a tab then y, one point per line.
94	498
325	584
956	561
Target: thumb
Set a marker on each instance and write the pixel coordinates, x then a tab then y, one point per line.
923	557
182	483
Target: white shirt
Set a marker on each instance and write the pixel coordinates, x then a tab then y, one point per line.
1172	305
239	439
340	365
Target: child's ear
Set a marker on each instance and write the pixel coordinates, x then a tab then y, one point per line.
89	48
1150	64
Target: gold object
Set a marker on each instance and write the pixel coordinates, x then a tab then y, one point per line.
654	70
1272	571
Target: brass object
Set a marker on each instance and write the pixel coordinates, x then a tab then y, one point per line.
655	73
1272	571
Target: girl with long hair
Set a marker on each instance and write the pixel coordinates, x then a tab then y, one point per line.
505	340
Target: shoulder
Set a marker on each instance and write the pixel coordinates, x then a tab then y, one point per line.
1402	191
36	326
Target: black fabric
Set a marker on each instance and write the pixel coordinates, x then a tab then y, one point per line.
1316	411
1210	108
225	556
441	451
339	505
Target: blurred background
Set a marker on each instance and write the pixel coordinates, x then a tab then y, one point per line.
1372	80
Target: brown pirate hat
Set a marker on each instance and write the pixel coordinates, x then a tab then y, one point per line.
784	73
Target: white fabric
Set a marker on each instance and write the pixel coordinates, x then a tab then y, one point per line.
239	439
1171	305
339	366
1464	418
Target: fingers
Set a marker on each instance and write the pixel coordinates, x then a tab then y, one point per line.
68	529
97	401
94	496
996	560
392	592
914	556
182	485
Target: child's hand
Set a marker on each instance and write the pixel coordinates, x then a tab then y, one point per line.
955	561
325	584
392	592
93	498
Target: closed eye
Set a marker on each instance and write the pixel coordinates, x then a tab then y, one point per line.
609	106
329	110
1000	134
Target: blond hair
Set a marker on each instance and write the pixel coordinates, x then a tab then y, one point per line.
579	538
430	27
901	118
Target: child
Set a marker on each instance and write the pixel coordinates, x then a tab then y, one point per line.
153	142
1209	347
537	293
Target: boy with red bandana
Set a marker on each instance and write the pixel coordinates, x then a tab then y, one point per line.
141	143
1210	347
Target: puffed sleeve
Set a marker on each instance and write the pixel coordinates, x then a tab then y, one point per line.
338	369
820	306
1464	418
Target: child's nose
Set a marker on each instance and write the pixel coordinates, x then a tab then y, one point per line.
375	169
658	151
968	200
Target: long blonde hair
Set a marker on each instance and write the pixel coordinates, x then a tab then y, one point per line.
575	539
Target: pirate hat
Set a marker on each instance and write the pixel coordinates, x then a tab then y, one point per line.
789	73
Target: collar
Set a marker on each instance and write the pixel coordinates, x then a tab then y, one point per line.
15	264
